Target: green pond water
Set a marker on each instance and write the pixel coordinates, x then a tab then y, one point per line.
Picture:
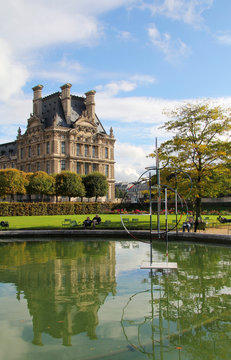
90	300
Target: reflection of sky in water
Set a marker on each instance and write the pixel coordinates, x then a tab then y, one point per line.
132	302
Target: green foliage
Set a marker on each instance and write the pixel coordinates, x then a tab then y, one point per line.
40	183
69	184
201	149
12	181
95	185
62	208
119	194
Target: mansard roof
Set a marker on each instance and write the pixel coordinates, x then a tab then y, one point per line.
8	149
52	108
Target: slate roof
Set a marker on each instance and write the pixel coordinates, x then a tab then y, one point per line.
52	108
8	149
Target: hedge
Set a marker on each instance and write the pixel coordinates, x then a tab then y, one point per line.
63	208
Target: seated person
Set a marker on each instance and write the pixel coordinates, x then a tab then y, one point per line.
4	224
223	220
186	225
96	220
87	222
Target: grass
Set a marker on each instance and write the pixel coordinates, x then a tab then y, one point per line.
55	221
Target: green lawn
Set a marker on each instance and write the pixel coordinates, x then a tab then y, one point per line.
55	222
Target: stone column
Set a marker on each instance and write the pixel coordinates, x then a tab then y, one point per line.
37	100
66	101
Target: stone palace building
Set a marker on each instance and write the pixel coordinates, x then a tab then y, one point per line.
63	133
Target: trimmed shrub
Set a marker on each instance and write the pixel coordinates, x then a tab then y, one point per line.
63	208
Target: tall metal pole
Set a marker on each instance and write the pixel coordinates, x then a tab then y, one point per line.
176	210
166	220
158	190
150	212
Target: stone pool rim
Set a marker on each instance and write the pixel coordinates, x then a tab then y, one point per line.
60	234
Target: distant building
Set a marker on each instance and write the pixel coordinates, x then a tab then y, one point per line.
133	192
63	133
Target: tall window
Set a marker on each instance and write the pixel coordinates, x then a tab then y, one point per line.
86	150
95	167
86	168
38	149
106	153
48	167
63	147
78	167
21	153
77	149
93	151
48	147
29	151
63	165
38	166
106	170
29	168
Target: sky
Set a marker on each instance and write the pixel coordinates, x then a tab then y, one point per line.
142	57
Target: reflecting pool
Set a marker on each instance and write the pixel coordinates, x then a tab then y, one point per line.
90	300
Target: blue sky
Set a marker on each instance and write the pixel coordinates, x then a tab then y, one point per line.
141	56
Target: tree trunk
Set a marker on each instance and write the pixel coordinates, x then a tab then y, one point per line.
198	198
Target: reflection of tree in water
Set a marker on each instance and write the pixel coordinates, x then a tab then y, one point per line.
187	312
64	284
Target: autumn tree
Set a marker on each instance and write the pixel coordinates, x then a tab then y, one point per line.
95	185
69	184
40	183
200	149
12	181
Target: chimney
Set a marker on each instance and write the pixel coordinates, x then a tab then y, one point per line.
37	100
90	104
66	101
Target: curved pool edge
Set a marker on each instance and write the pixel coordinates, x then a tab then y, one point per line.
38	235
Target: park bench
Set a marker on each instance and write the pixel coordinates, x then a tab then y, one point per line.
74	223
135	221
126	220
4	225
66	223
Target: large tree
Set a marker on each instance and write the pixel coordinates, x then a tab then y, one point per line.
69	184
40	183
12	181
201	148
95	185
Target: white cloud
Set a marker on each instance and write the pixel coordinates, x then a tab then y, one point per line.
41	23
172	49
28	26
13	75
188	11
12	335
131	161
14	113
142	79
133	109
224	37
113	88
125	35
62	71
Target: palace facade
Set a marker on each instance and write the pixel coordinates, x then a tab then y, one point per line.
63	133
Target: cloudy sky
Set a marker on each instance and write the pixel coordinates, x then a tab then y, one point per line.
141	56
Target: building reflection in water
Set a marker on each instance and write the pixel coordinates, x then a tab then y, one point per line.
64	284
